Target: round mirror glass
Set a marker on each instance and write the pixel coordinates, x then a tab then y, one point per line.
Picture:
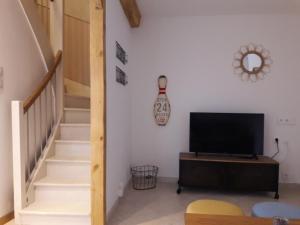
252	62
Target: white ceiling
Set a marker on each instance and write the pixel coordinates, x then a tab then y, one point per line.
170	8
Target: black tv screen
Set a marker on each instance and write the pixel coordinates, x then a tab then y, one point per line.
227	133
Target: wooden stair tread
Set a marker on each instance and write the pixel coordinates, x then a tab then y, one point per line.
71	141
63	209
60	182
77	109
75	124
77	96
69	159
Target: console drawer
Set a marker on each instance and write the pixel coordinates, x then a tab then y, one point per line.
204	174
251	176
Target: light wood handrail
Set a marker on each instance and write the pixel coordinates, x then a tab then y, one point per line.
31	99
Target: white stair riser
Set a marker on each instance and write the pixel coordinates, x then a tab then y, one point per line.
79	133
76	116
77	102
73	149
62	194
69	170
34	219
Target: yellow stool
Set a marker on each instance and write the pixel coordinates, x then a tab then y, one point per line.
213	207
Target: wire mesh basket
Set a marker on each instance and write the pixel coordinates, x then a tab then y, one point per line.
144	177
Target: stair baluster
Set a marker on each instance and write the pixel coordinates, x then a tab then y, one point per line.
28	145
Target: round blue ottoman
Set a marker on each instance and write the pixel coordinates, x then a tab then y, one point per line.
272	209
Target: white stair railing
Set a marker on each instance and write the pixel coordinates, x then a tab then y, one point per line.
33	122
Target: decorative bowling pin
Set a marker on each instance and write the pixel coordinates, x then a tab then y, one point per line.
162	108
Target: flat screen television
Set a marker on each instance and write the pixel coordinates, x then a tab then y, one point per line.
227	133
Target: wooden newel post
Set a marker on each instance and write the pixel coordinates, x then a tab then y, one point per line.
19	157
97	55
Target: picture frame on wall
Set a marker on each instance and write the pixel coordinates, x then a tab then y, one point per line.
121	76
121	53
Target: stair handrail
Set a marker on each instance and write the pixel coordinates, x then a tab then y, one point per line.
34	125
37	92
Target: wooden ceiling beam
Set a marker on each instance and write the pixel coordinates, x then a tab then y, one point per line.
132	12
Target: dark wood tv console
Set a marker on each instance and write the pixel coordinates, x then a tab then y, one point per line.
228	173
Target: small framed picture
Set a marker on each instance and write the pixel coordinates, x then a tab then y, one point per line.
121	53
121	76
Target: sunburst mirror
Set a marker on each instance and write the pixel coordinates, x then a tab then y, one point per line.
252	62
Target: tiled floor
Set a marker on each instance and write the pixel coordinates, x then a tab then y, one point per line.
162	206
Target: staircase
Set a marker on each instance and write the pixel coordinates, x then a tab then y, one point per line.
61	196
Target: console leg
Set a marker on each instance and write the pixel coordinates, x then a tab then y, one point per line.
179	189
276	195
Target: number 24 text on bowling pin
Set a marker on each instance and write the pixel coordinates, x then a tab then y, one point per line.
162	108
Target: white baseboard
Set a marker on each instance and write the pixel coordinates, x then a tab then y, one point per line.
112	210
117	202
167	179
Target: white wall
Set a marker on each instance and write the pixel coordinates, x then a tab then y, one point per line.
118	103
38	30
23	69
196	54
